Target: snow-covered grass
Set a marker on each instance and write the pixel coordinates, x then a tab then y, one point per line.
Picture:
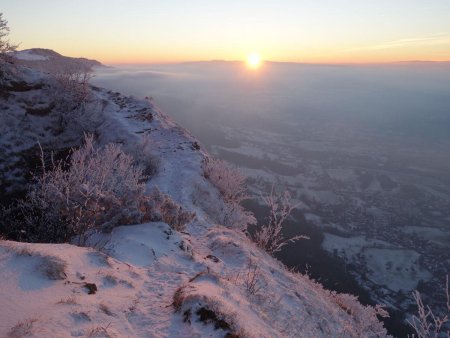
162	208
22	329
36	287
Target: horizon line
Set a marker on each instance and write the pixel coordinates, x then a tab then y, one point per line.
299	62
337	63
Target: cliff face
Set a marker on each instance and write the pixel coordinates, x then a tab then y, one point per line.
149	280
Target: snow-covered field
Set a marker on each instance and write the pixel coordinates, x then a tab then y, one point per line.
149	280
384	264
432	234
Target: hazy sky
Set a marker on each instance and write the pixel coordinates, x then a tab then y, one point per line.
128	31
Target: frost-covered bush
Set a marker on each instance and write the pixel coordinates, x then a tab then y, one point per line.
270	236
354	319
231	184
227	179
235	216
144	157
6	48
248	277
362	318
72	98
162	208
101	189
428	324
70	84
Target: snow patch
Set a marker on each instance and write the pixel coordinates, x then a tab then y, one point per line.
27	55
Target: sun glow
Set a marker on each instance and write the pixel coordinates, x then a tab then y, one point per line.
253	61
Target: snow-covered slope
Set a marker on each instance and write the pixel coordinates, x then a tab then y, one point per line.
45	59
28	55
149	280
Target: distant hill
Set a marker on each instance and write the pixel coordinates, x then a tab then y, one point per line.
46	59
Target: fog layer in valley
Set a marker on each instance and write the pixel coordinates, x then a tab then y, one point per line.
365	149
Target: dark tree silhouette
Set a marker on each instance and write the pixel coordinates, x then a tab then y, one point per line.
6	48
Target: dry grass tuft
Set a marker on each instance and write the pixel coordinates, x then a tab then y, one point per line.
53	268
105	309
68	301
50	266
133	305
178	298
100	332
22	329
24	251
126	283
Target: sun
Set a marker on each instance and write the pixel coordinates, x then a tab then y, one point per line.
253	60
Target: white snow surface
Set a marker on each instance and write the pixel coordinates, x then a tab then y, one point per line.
27	55
395	268
153	281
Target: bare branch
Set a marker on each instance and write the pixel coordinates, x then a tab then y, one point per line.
270	235
426	323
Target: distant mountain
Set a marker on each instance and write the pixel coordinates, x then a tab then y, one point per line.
46	59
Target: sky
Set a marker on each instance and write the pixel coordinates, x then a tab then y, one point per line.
150	31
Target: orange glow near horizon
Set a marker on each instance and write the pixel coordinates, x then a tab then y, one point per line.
139	60
173	31
160	53
138	54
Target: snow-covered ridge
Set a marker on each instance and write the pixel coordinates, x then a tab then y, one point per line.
46	59
28	55
149	280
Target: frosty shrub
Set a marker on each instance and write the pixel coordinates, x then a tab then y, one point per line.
231	184
249	277
101	189
426	323
77	109
227	179
235	216
98	189
160	207
6	48
70	81
270	236
144	157
363	319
